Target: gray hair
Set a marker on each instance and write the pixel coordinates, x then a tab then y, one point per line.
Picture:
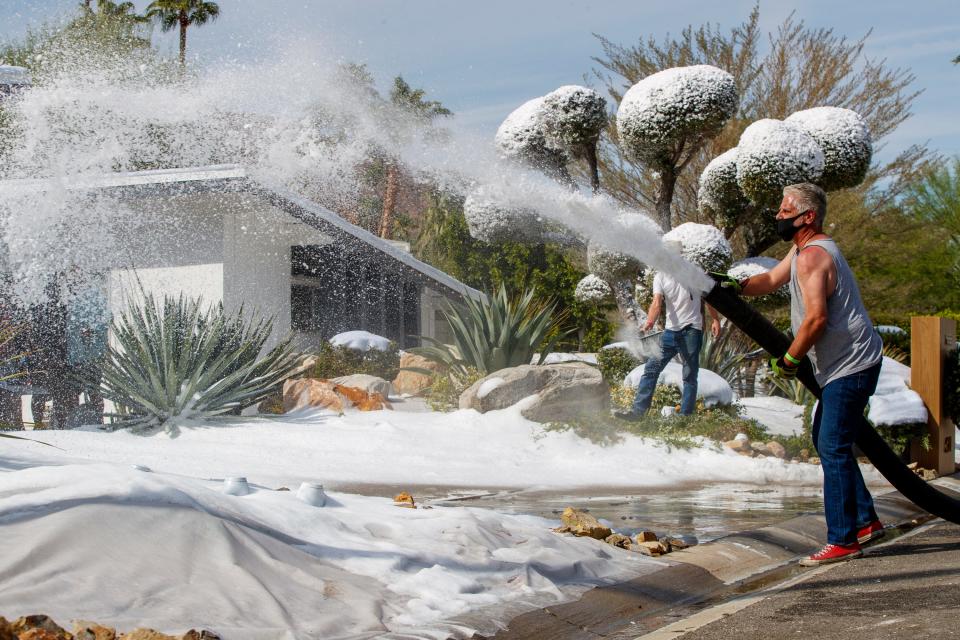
809	197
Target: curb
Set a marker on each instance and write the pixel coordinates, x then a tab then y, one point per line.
694	575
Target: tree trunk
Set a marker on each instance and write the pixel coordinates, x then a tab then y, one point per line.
389	199
183	41
591	153
630	312
668	182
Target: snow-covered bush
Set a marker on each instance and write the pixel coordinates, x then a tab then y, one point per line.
573	118
592	290
773	154
667	107
522	137
703	244
845	141
719	194
335	360
611	266
490	222
755	266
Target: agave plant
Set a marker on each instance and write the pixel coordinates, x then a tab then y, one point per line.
178	361
496	333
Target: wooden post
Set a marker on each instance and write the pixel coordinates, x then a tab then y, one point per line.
931	339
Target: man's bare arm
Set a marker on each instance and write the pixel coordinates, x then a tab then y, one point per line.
813	275
764	283
654	313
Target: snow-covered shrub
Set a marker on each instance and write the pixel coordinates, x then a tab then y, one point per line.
643	290
773	154
845	141
333	361
573	118
755	266
703	244
611	266
592	290
672	105
490	222
522	137
615	363
719	194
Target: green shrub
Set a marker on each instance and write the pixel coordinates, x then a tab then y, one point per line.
444	393
176	362
495	333
335	361
951	384
615	363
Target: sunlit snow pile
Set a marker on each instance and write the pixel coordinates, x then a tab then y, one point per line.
894	403
711	388
266	561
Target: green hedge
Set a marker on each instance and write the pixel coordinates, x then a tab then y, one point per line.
336	361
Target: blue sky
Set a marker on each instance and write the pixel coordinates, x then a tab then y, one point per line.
482	59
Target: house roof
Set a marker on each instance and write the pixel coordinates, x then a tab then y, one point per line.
234	178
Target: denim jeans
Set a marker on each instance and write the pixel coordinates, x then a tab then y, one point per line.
847	504
687	343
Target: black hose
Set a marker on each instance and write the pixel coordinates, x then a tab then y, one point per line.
752	323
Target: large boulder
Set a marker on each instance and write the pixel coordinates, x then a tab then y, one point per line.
560	391
365	382
411	382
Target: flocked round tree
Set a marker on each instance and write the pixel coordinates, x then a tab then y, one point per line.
573	119
665	119
522	137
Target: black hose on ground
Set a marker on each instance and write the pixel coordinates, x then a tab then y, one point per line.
752	323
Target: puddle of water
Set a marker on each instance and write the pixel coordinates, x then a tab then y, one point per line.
705	513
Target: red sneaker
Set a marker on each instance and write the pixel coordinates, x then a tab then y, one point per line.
871	532
833	553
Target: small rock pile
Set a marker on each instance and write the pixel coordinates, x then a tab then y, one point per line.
773	449
41	627
582	523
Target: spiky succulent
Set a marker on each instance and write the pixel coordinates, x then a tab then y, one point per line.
177	361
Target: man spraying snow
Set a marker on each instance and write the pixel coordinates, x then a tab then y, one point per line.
831	326
683	335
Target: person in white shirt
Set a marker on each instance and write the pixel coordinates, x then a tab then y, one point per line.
683	335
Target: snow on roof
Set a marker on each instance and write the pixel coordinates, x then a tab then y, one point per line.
234	177
703	244
773	154
845	140
13	75
674	103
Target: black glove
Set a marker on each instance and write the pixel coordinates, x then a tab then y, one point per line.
727	281
785	366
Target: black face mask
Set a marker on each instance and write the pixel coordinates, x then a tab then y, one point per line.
786	230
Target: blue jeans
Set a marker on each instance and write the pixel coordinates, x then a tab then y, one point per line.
687	343
847	504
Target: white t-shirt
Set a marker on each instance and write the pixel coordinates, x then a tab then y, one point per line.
683	306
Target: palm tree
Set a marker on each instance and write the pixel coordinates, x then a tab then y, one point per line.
412	101
183	14
122	10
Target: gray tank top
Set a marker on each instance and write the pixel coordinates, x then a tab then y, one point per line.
849	344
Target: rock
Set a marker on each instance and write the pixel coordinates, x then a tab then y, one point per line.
741	436
740	446
814	460
84	630
927	474
647	536
676	544
410	381
653	548
146	634
913	466
39	627
560	391
6	630
301	393
619	540
804	454
760	448
404	499
777	450
364	382
581	523
325	394
306	366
